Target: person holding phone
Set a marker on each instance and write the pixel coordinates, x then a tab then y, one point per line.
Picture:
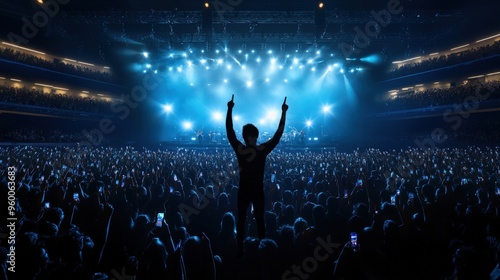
252	161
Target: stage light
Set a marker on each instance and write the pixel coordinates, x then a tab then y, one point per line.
269	51
225	81
202	51
341	71
326	109
309	123
239	51
190	63
170	68
216	51
207	68
228	67
313	69
258	59
267	80
144	71
253	51
309	61
318	52
336	65
148	66
145	54
156	71
167	108
285	80
207	5
330	68
184	54
295	61
203	61
220	61
315	138
273	60
321	5
243	67
249	83
187	125
236	117
179	69
217	116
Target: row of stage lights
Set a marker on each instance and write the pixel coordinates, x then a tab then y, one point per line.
179	61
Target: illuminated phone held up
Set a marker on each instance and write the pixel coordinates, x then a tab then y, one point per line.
159	219
354	241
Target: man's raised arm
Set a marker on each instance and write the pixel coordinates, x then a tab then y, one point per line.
231	135
281	126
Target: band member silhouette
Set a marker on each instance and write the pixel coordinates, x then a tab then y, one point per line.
251	160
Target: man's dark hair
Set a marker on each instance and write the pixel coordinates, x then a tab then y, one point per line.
250	130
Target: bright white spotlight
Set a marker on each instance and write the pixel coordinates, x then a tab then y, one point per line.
236	117
171	55
336	65
249	83
273	60
285	80
326	109
228	67
313	69
170	68
239	51
281	66
295	61
253	51
187	125
270	52
225	49
144	71
309	123
145	54
184	55
203	61
243	66
352	70
341	71
220	61
318	52
207	68
216	51
202	51
156	71
225	81
267	80
179	69
309	61
217	116
258	59
330	68
190	63
167	108
148	65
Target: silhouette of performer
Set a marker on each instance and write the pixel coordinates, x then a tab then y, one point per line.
251	160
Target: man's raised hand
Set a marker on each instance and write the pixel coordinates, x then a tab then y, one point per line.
284	107
230	104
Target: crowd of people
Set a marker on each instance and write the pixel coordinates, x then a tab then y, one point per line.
448	96
93	213
446	60
34	97
56	65
39	135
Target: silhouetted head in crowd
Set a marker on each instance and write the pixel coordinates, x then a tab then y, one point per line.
250	134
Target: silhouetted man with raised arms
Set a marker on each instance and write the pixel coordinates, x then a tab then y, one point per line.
252	161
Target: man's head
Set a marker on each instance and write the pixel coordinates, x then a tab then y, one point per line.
250	134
